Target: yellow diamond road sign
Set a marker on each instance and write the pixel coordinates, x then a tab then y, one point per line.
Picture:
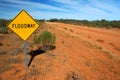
23	25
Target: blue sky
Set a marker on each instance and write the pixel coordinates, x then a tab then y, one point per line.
67	9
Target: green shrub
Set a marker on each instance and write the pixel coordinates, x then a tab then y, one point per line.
3	30
46	39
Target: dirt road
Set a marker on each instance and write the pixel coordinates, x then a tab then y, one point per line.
81	53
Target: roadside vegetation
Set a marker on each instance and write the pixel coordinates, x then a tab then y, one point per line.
3	26
46	39
96	23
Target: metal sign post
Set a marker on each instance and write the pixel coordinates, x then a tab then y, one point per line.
25	53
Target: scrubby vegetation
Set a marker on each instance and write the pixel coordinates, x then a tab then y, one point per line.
40	20
3	24
96	23
46	39
4	30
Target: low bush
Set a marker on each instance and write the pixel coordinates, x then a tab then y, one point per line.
3	30
46	39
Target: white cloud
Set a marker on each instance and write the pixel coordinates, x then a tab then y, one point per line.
34	5
75	9
81	6
98	8
108	6
66	2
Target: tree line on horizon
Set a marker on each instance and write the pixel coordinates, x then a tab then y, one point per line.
95	23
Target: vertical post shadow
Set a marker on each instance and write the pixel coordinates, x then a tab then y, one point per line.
33	54
39	51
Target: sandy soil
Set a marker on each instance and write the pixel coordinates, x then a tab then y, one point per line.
81	53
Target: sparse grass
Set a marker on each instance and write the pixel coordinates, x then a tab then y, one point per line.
87	63
68	35
73	76
62	42
6	64
71	30
117	72
1	37
17	39
30	44
14	61
34	72
1	44
89	44
65	28
89	36
103	78
2	52
109	53
115	47
100	40
17	71
5	68
16	51
112	44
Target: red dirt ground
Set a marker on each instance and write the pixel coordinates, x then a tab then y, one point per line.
81	53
